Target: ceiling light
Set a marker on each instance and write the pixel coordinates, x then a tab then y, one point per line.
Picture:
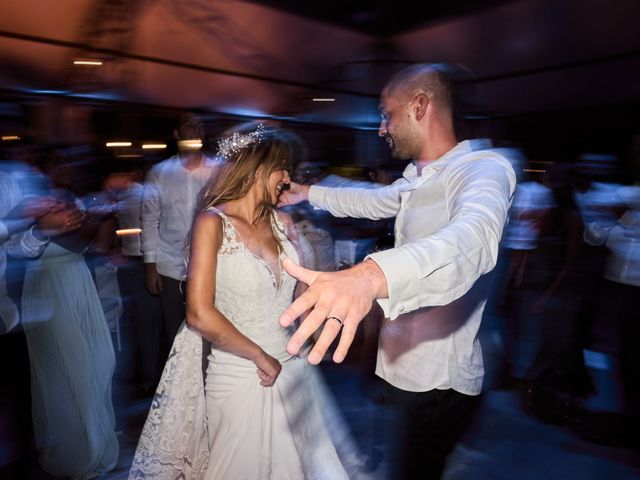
8	138
324	99
118	144
193	144
128	231
87	62
154	146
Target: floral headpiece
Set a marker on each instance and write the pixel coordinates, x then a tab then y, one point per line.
234	143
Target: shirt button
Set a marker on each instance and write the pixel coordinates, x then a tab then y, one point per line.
401	308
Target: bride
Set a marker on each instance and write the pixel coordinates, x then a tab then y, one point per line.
252	411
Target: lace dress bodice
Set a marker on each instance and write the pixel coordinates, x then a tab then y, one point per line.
247	289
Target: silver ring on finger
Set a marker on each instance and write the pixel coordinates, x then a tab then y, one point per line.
336	319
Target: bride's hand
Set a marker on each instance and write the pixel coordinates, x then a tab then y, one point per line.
268	369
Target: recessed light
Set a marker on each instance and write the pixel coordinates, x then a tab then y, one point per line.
154	146
128	231
192	144
94	63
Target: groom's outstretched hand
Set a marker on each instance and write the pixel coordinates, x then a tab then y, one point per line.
339	299
295	193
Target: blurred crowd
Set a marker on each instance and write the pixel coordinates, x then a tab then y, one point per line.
92	286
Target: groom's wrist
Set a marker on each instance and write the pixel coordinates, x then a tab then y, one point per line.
374	278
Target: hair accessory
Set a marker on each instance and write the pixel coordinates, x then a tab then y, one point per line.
234	143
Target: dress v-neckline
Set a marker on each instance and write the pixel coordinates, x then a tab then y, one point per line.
275	279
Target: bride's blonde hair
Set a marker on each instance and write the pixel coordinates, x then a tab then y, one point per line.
250	153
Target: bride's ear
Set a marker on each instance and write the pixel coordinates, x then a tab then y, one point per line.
258	173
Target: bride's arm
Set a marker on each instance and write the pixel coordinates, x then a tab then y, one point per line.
202	316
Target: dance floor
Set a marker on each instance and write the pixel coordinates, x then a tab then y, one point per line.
504	442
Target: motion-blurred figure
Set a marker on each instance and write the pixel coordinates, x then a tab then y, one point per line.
26	224
170	194
618	228
142	306
70	349
531	205
558	379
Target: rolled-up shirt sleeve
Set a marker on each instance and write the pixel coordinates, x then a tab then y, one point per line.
443	266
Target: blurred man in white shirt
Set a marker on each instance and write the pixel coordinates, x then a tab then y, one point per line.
170	194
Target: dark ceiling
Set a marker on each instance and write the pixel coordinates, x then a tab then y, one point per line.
272	59
382	18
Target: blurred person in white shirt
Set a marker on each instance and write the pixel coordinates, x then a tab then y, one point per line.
170	195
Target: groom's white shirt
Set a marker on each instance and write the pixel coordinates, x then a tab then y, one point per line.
449	221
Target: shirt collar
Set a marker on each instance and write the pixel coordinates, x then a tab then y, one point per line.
411	171
205	163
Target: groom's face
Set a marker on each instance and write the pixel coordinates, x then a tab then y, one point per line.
395	124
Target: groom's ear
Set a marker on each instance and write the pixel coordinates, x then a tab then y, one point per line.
420	104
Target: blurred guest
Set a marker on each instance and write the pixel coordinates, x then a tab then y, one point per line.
620	298
26	223
170	194
596	188
127	186
316	243
557	379
354	238
70	350
531	205
385	173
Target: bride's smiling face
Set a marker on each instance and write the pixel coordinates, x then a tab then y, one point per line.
277	182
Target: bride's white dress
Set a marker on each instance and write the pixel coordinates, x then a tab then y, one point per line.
228	426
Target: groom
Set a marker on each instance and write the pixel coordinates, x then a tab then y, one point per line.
450	206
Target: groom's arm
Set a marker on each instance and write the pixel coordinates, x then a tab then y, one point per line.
371	203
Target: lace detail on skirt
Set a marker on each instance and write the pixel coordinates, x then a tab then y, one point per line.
173	444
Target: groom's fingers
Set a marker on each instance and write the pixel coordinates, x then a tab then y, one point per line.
306	329
305	301
300	273
346	338
329	333
299	306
